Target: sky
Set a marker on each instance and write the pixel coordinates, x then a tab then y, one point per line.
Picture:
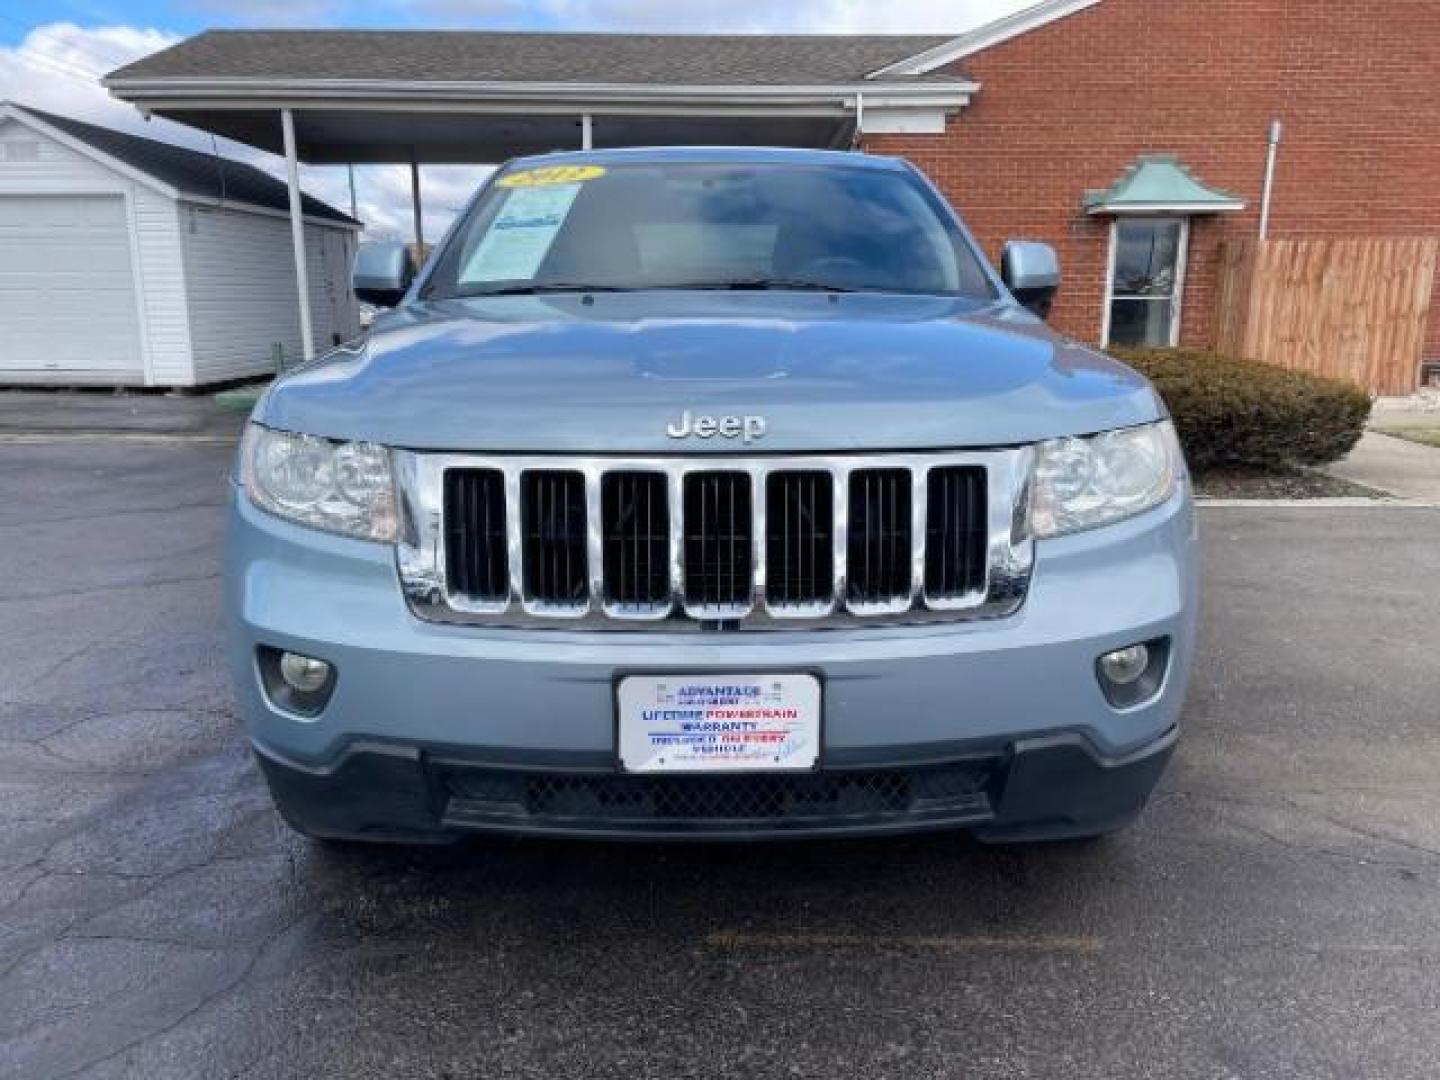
52	53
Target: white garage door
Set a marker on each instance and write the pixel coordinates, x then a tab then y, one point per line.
67	291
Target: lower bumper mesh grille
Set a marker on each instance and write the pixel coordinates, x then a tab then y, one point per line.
598	801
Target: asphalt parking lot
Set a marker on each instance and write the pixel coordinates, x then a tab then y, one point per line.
1275	914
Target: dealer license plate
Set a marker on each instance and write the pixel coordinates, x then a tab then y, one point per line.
719	723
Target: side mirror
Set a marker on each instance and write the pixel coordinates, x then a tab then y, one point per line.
383	272
1031	271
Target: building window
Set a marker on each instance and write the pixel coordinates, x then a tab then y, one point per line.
1146	281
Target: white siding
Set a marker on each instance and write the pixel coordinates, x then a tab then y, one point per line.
242	303
162	288
40	166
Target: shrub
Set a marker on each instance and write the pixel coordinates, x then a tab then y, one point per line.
1241	412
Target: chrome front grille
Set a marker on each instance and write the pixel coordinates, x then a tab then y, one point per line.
713	542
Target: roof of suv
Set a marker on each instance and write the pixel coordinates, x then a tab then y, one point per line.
693	155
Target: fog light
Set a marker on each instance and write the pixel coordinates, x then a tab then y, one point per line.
1135	674
304	674
1122	667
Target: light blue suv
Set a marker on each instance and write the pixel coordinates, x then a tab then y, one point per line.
711	493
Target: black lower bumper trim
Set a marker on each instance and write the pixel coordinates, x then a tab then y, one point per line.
1041	788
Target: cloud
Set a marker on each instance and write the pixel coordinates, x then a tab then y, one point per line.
737	16
57	67
384	196
274	12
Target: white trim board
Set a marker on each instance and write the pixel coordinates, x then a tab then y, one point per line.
1192	209
218	92
985	37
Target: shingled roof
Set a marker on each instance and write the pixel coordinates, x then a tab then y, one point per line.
483	56
187	171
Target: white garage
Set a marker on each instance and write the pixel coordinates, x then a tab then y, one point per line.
127	261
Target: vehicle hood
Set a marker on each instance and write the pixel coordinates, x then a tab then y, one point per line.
610	372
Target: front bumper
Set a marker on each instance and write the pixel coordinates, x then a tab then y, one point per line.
1043	788
997	725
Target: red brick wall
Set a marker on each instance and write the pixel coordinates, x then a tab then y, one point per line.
1067	107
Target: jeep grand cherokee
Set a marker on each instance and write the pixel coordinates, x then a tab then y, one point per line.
712	493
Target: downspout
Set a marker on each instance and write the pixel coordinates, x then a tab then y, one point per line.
859	119
1273	149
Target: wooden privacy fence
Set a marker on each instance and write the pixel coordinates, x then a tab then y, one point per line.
1350	309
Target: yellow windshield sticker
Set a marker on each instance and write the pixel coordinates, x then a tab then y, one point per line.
552	174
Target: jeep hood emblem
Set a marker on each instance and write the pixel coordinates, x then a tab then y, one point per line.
747	429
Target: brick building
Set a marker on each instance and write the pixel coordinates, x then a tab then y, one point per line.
1131	134
1068	104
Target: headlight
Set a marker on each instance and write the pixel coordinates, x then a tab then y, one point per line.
1082	483
342	487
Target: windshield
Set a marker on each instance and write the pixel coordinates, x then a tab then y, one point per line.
717	225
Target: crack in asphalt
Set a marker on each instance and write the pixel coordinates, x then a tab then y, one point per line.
110	515
240	979
1301	846
93	590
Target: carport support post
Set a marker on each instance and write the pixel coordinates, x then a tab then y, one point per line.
297	233
415	206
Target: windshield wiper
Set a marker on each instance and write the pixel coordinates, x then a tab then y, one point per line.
529	288
536	288
762	283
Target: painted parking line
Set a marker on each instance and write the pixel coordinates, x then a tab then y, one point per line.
1339	503
31	438
952	943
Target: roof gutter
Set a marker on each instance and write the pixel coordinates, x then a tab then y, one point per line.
210	202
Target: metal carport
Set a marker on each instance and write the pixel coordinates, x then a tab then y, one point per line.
440	97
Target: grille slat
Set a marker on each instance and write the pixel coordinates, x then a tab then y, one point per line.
475	549
799	551
734	543
554	544
956	536
636	540
880	523
717	542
